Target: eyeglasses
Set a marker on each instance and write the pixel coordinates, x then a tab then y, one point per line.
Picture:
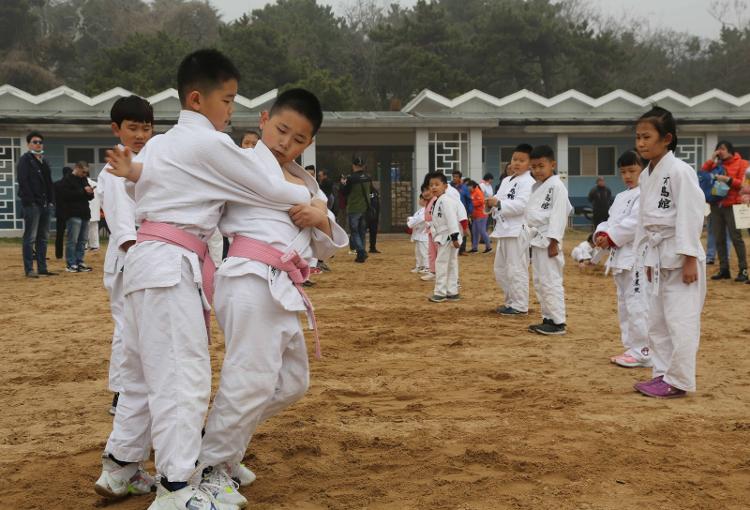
36	142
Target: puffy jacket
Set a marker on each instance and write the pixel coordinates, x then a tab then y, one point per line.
735	168
477	200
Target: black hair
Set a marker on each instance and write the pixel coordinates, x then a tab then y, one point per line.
590	238
436	175
303	102
132	108
310	167
251	132
542	151
663	122
66	171
204	70
524	147
32	135
457	172
424	187
472	183
630	158
727	144
488	177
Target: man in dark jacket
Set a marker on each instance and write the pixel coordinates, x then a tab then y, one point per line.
75	194
61	216
37	199
600	197
356	188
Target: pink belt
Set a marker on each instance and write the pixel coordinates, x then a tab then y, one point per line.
291	263
166	233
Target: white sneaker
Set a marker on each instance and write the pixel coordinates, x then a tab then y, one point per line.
428	277
118	481
424	270
240	473
217	482
187	498
415	270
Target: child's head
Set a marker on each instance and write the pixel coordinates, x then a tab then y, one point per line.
724	149
425	193
207	83
132	121
655	133
310	169
631	165
590	239
521	159
456	176
250	139
291	124
472	184
542	162
438	183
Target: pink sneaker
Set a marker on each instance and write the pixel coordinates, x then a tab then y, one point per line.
613	359
661	389
645	384
628	361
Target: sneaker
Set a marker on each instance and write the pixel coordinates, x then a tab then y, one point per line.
453	297
374	250
414	270
428	276
424	270
71	269
315	270
709	262
32	274
436	298
308	283
240	473
83	268
473	250
722	275
360	260
741	277
549	328
352	252
323	266
661	389
187	498
222	487
509	310
637	386
46	273
487	250
628	361
118	481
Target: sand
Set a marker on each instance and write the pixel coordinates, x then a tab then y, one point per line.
414	405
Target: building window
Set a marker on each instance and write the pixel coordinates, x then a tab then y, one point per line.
506	154
449	151
574	161
605	160
690	150
94	156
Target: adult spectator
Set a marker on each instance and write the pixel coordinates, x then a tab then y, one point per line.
463	191
75	194
486	185
478	219
356	188
61	216
373	218
729	168
600	198
37	199
326	186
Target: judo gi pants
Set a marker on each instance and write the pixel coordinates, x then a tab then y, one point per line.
421	254
446	270
114	284
632	310
166	378
432	253
512	272
548	283
674	326
265	366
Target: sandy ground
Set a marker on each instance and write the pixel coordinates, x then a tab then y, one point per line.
415	405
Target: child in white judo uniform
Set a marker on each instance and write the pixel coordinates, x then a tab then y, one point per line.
184	177
419	237
445	228
132	121
668	238
508	208
617	235
583	252
259	297
546	219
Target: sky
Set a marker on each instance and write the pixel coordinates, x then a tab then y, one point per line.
690	16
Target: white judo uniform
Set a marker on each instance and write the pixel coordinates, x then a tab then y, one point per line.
546	218
669	228
446	222
188	174
95	204
583	251
119	211
420	238
632	299
265	367
512	253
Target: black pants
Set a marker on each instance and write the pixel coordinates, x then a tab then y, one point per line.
372	227
723	220
59	237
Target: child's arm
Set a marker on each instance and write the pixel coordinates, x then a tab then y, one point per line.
624	232
121	164
119	210
688	200
558	219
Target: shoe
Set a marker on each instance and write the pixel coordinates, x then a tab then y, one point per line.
118	481
509	310
83	268
71	269
741	277
424	270
628	361
436	298
709	262
46	273
308	283
462	254
428	276
414	270
722	275
315	270
352	252
93	250
487	250
323	266
374	250
220	485
32	274
637	386
453	297
473	250
360	260
661	389
548	328
240	473
190	498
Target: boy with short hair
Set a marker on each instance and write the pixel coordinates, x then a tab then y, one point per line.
445	228
546	218
508	207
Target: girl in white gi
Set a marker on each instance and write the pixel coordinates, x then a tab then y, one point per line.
258	301
132	122
186	176
668	238
508	207
446	233
583	252
419	237
617	235
546	219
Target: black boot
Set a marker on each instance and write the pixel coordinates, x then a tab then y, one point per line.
723	274
741	276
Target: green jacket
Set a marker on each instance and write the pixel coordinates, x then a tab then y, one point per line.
357	191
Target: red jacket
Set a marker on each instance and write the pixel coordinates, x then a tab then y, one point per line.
477	199
735	168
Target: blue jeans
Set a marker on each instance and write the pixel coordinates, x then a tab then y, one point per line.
358	228
479	231
711	241
35	233
78	229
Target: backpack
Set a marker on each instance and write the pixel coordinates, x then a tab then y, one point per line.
714	191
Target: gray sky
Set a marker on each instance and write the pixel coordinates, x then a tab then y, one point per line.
683	15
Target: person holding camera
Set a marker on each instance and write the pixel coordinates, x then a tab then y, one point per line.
728	168
357	188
